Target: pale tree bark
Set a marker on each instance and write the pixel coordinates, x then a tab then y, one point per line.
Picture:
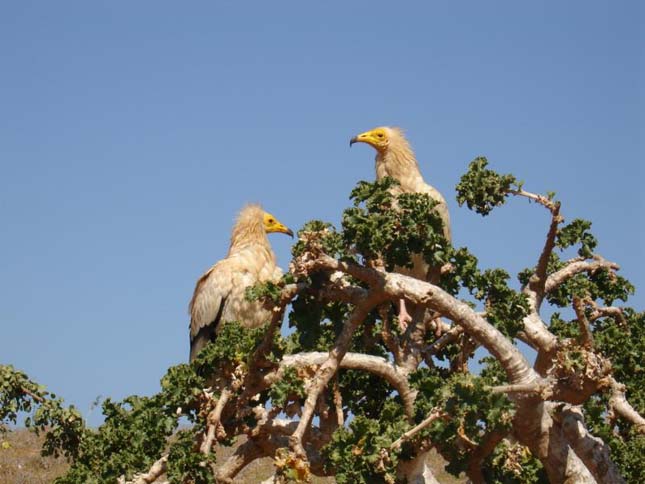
536	429
563	445
591	450
417	470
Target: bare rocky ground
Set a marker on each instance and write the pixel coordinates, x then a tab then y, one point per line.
21	463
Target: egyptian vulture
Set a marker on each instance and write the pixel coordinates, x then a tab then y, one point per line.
219	293
395	158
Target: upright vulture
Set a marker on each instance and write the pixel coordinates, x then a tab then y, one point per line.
219	293
395	158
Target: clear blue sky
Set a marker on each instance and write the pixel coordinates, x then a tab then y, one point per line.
132	132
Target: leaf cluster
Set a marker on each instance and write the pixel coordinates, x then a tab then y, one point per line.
601	285
63	426
482	189
383	227
317	323
513	463
133	436
187	466
472	413
357	454
288	387
577	232
233	346
322	236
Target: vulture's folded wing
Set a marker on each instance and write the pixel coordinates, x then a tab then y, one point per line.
207	306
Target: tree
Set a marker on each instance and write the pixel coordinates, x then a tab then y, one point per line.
347	394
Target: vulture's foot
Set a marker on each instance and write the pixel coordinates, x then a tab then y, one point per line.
404	316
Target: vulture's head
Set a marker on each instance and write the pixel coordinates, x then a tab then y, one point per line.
272	224
379	138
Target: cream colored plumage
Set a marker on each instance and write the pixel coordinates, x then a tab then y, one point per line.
219	295
395	158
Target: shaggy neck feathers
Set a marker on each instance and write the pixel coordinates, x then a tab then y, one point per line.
398	161
249	230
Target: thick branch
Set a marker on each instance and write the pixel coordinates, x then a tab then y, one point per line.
619	405
541	387
535	428
479	454
417	470
583	323
591	450
329	368
433	297
535	331
357	361
609	311
538	279
243	455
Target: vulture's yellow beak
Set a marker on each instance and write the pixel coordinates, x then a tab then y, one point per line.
376	138
271	224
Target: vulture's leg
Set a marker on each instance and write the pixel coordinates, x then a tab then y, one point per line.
404	316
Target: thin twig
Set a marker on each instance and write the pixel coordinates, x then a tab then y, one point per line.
36	397
390	340
338	403
552	206
558	278
444	340
214	419
435	414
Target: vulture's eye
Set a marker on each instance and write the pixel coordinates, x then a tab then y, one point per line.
271	220
380	135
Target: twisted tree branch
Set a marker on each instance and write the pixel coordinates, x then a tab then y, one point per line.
330	366
357	361
591	450
619	405
558	278
396	286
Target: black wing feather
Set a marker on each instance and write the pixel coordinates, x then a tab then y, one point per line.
206	333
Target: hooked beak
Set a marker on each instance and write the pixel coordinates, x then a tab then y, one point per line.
283	229
366	137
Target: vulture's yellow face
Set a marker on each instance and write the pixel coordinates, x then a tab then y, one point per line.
271	224
378	138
